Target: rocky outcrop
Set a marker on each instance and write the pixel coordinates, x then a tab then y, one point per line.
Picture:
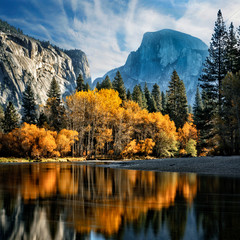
24	59
159	54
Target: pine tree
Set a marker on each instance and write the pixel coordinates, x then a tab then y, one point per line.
232	54
55	109
129	95
198	109
164	103
42	120
54	91
29	106
137	95
151	105
80	83
156	94
106	83
98	86
118	85
215	65
177	101
11	118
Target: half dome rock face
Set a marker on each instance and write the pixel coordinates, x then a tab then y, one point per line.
25	60
159	54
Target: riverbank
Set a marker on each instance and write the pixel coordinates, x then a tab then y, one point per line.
24	160
223	166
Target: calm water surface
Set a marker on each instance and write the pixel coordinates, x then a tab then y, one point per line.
71	201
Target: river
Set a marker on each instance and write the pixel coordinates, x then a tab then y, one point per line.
73	201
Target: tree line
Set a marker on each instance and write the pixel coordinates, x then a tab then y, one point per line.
217	109
108	121
111	120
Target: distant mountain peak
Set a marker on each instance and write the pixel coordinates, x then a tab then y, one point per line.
158	55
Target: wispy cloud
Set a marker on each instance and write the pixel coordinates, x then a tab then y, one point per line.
107	30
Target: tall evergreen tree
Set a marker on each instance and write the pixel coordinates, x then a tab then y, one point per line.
137	95
215	65
156	94
106	83
80	83
164	103
129	95
232	53
197	108
177	101
151	105
11	118
29	106
55	108
118	85
98	86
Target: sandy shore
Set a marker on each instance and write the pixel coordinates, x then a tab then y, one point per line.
222	166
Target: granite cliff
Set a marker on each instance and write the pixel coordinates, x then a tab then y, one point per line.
159	54
24	59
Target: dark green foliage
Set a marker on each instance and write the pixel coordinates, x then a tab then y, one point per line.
198	109
11	118
156	94
55	108
151	105
231	113
164	103
29	106
98	86
5	27
129	95
80	83
106	83
215	65
137	95
118	85
177	101
232	53
42	120
54	91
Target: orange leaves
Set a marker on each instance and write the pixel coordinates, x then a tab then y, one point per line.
64	140
186	134
143	147
31	141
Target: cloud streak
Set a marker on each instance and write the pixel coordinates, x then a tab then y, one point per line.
107	30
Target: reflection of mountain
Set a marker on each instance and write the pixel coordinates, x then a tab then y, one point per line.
85	198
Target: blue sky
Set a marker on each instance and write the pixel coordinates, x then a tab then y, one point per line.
107	30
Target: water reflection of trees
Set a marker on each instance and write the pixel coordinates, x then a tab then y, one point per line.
99	199
217	206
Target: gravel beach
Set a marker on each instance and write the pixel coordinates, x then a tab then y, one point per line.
223	166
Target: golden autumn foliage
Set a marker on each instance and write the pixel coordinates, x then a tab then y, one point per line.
34	142
100	125
105	126
187	136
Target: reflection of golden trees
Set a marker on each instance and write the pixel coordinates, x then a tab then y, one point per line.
101	198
